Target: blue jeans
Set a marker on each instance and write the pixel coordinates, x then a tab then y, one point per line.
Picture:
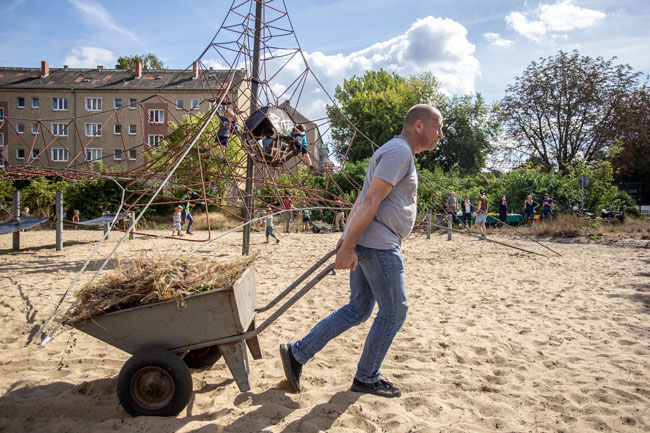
529	216
379	278
190	220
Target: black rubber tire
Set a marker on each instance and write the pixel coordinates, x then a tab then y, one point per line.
154	382
200	358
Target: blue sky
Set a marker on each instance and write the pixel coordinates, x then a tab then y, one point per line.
471	46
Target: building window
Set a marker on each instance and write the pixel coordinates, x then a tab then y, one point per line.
59	155
20	103
20	153
180	104
2	162
20	128
60	129
93	104
117	155
154	141
93	130
2	114
93	154
195	104
118	103
133	104
36	102
117	129
132	129
59	104
36	128
35	153
2	140
157	116
132	154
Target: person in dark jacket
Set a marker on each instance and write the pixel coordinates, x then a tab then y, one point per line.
503	209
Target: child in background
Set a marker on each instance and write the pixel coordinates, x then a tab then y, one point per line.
268	222
226	129
300	143
177	221
75	219
306	216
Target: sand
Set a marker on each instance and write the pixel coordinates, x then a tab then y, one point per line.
497	340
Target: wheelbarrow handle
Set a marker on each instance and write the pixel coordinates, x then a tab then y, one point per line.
295	284
250	334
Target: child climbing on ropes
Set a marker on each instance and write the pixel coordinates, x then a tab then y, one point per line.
268	222
177	221
75	219
300	143
226	129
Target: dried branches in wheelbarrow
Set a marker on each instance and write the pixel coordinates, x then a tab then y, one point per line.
147	281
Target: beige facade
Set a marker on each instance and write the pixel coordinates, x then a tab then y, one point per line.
73	118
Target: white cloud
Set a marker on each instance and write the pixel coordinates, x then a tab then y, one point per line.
496	40
90	57
98	16
562	16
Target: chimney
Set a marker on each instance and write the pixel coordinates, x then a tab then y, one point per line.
138	70
195	70
45	69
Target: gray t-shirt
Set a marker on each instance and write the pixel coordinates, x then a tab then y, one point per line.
451	205
392	162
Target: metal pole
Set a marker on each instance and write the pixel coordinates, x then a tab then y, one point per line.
428	226
582	203
450	218
16	209
59	221
255	78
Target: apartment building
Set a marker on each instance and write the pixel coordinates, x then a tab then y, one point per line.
69	118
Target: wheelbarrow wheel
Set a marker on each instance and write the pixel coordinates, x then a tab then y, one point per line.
199	358
154	382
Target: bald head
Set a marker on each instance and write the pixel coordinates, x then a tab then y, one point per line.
423	127
424	112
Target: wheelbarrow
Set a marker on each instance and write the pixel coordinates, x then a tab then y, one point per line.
166	341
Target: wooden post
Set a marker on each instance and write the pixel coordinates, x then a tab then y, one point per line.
450	219
131	224
106	224
428	226
16	210
59	221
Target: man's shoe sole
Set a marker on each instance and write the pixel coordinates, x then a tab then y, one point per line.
285	356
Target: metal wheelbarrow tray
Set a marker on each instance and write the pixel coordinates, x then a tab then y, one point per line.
166	341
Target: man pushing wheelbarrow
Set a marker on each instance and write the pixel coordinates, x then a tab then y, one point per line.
383	215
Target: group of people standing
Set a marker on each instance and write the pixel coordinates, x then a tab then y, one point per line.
481	212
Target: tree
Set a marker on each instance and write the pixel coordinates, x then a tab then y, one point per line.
149	61
632	162
469	127
377	103
565	108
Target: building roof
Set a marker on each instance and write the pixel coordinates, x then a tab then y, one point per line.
116	79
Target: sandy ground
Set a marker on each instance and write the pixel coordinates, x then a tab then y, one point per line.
496	340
